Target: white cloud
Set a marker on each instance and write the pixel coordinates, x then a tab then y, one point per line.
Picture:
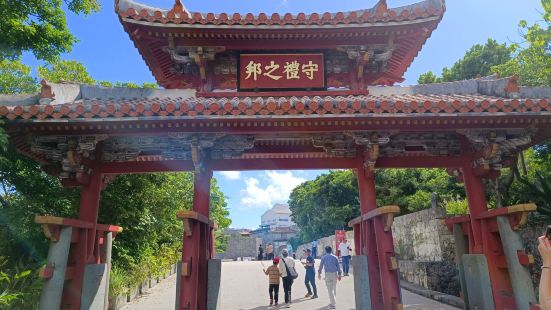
231	175
284	3
279	186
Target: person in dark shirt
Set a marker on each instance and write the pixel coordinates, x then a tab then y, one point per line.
310	277
260	253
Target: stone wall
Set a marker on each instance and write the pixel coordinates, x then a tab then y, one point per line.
425	250
421	236
239	246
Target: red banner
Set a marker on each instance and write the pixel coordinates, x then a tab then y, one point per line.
281	71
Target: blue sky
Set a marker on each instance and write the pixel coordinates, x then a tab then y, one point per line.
108	53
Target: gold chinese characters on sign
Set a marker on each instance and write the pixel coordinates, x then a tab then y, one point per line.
284	71
291	70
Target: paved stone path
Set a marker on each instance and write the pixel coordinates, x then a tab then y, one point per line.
245	287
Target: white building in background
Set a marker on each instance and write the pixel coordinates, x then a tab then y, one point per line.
278	216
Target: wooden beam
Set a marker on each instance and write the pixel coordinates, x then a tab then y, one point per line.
192	215
147	167
527	207
381	211
420	162
386	211
282	164
54	220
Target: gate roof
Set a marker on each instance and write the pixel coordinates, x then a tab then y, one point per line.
415	126
391	37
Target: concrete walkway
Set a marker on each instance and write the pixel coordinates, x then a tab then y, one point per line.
245	287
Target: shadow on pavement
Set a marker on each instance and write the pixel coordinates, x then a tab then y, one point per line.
282	305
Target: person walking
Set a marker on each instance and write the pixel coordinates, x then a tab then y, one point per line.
314	249
284	268
273	281
344	249
330	263
270	252
260	253
310	278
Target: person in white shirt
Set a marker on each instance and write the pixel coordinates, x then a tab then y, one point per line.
344	249
286	263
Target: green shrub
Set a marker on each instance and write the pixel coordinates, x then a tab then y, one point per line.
117	282
19	287
456	206
152	265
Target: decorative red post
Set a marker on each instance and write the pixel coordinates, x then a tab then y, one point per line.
486	239
84	250
377	243
368	202
197	246
476	199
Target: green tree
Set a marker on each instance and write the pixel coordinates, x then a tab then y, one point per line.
411	189
327	203
428	78
39	27
331	200
147	212
128	84
65	71
478	61
15	78
532	58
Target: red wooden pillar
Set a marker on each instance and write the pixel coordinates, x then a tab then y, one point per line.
196	249
476	198
368	202
83	252
486	239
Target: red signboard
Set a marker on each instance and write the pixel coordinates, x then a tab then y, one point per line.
281	71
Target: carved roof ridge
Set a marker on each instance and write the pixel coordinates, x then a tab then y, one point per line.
380	12
73	93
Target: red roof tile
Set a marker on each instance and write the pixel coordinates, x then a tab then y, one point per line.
477	97
276	106
380	13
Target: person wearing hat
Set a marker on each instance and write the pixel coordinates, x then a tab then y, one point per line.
286	264
273	281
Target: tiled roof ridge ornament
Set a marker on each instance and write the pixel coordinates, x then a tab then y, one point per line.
381	8
512	88
178	7
46	91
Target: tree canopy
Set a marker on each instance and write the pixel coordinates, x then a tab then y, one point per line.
39	26
532	58
65	70
331	200
477	61
15	78
327	203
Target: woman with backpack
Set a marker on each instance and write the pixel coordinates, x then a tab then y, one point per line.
288	274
